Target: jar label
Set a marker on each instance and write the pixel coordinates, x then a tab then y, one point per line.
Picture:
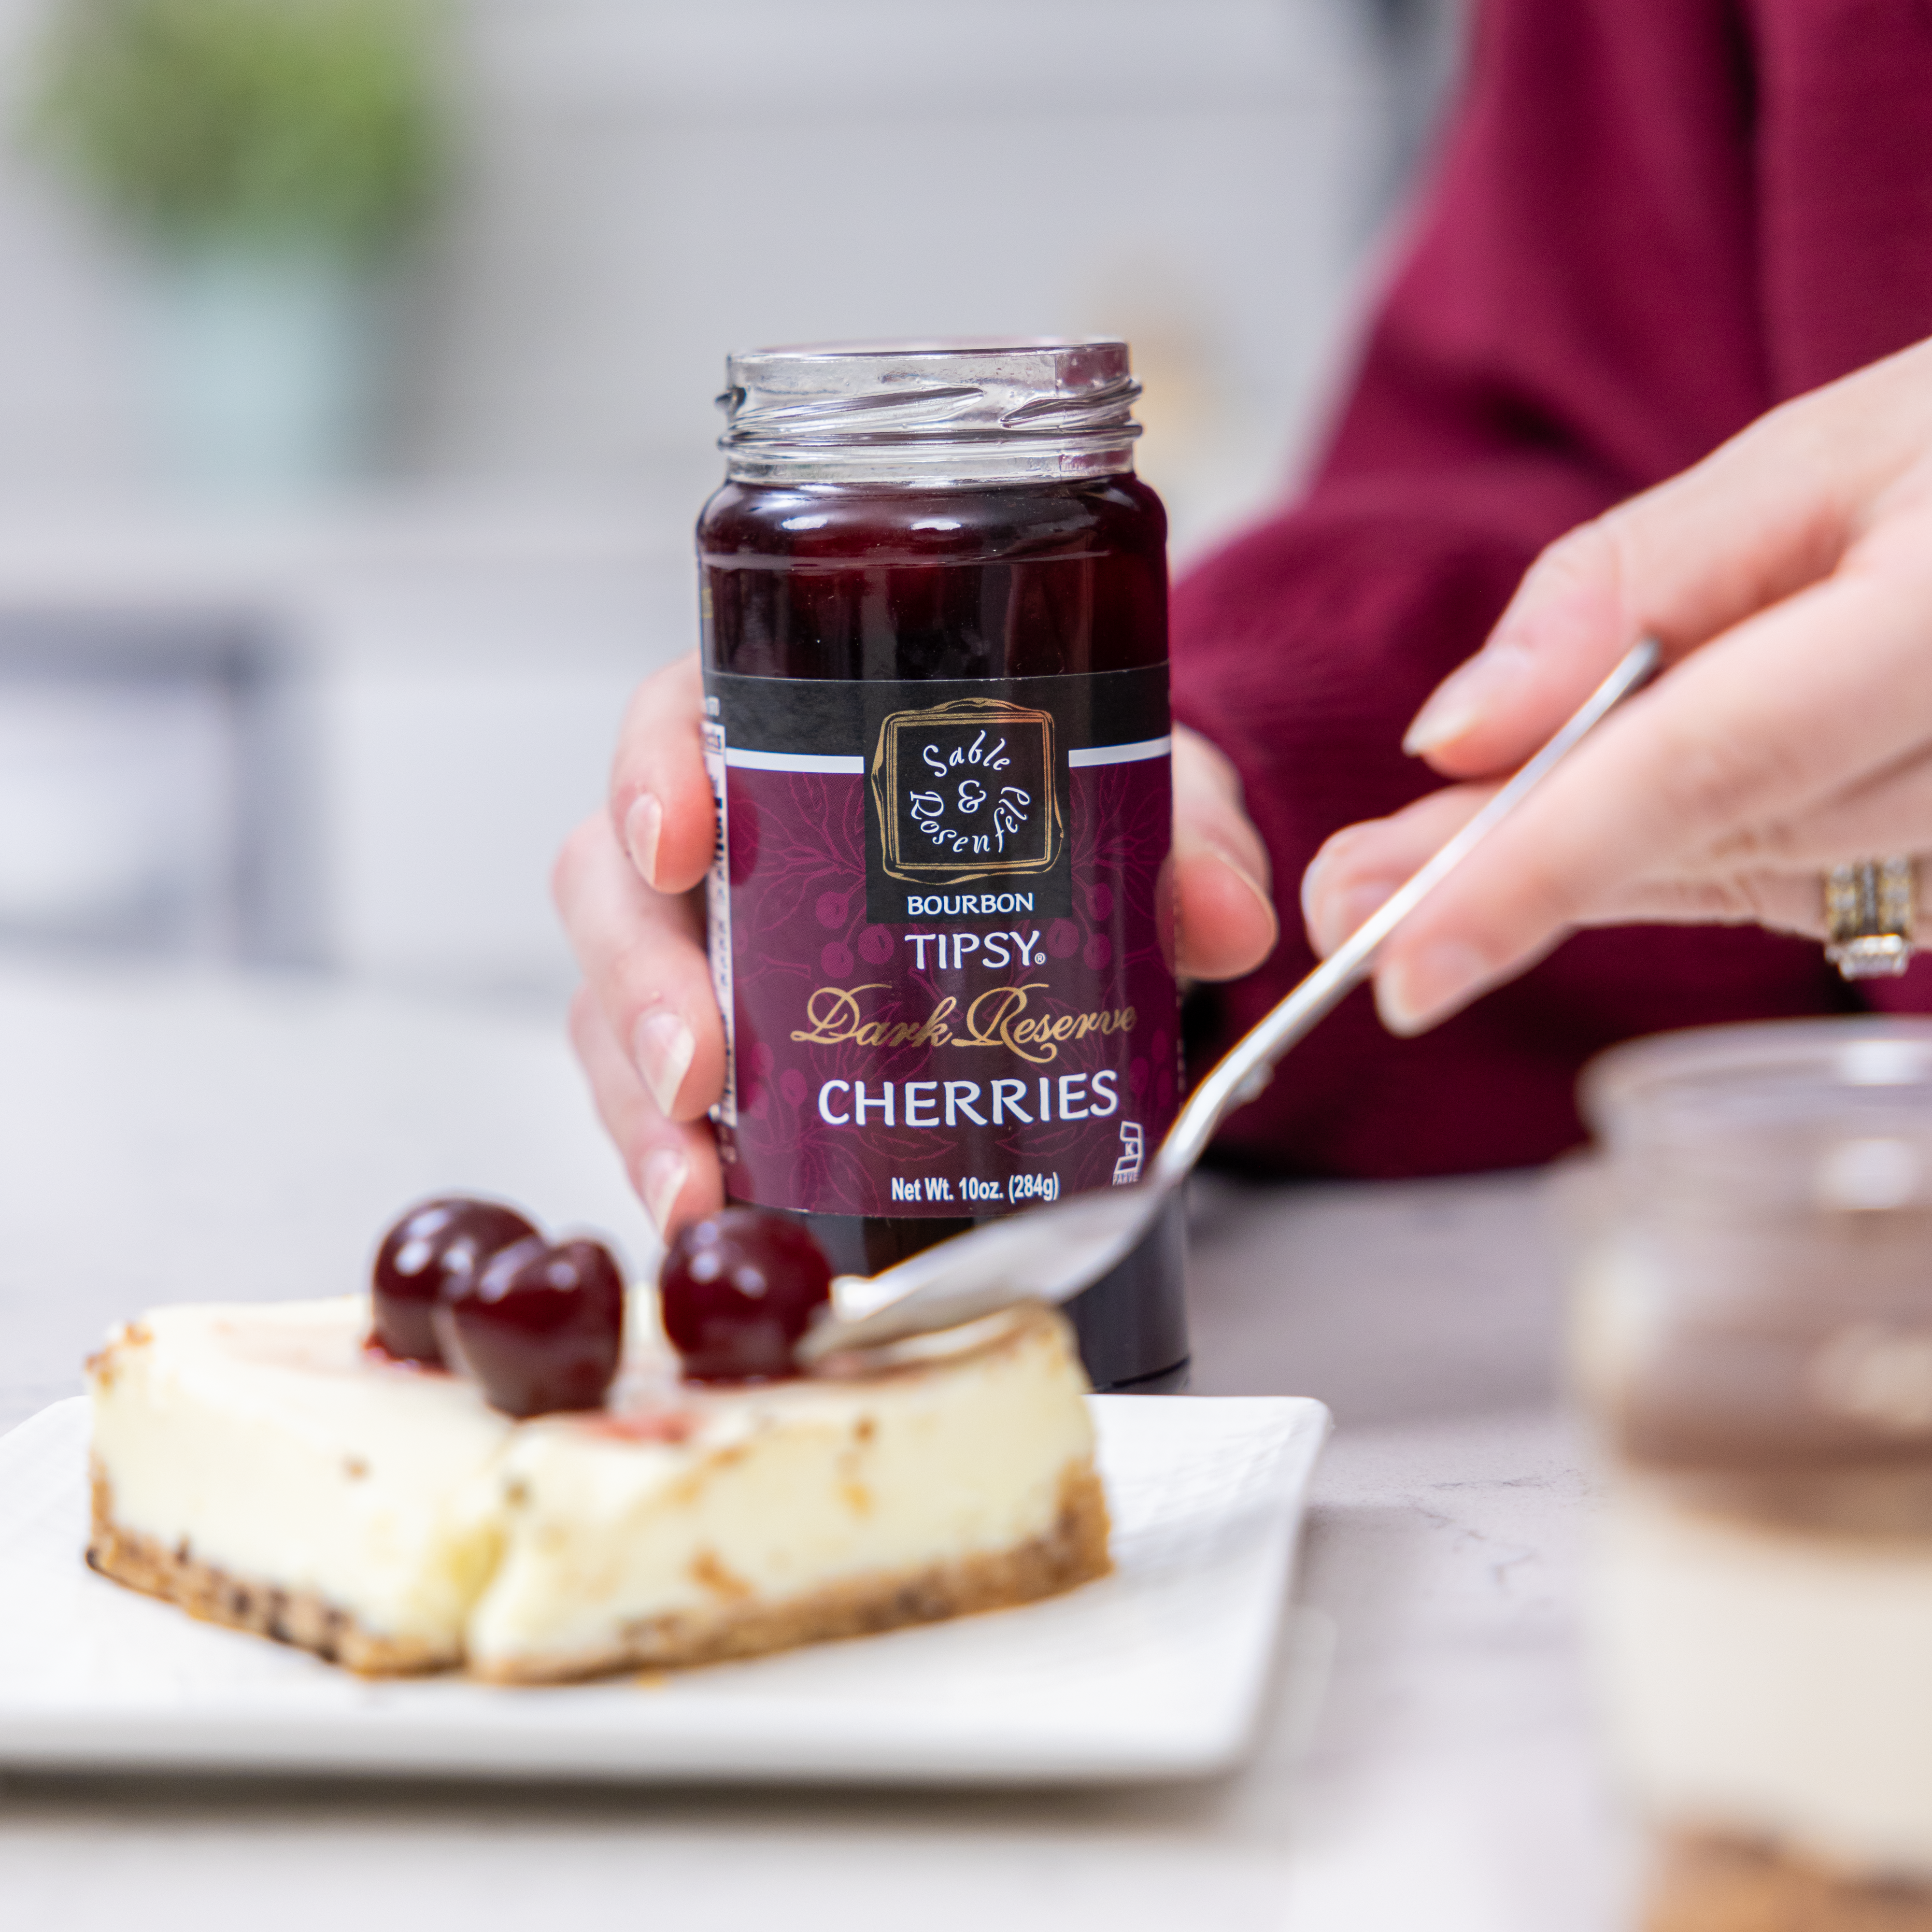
941	937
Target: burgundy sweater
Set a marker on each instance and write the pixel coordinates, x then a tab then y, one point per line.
1651	221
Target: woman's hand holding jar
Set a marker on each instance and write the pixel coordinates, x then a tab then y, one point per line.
629	884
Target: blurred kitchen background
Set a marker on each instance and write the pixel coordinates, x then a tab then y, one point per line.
356	367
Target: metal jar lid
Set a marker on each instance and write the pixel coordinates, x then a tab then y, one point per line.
930	412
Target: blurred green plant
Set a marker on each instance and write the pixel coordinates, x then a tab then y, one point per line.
312	124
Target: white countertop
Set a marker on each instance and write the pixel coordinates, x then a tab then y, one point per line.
1427	1761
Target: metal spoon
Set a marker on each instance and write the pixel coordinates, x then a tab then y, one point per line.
1050	1254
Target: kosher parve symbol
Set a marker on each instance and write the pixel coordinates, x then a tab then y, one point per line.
967	791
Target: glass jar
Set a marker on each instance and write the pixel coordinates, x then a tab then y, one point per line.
1754	1338
934	608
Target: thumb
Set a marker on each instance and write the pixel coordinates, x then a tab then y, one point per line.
1770	512
1222	879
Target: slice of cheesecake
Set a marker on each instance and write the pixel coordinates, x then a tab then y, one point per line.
257	1466
254	1465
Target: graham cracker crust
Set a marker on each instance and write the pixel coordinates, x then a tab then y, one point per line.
298	1617
1072	1552
1706	1883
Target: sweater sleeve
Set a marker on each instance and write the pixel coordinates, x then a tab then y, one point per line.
1575	316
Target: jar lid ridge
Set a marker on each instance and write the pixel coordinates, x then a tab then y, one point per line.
931	412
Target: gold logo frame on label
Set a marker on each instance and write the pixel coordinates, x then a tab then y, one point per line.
885	781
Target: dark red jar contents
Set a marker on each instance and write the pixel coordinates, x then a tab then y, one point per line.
879	582
737	1292
436	1249
993	581
889	586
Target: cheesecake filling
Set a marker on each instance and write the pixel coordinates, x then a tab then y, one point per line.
263	1447
262	1443
809	1485
1771	1683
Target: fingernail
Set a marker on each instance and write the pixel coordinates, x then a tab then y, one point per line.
1311	884
642	824
1247	877
663	1179
1465	698
1348	910
1411	995
663	1046
1192	846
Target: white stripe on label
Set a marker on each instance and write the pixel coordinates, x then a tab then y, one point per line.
791	761
814	761
1121	754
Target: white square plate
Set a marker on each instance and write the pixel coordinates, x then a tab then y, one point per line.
1154	1672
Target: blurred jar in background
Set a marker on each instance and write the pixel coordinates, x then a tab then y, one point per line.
1754	1338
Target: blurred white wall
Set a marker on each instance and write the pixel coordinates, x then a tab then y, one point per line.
69	346
654	183
644	184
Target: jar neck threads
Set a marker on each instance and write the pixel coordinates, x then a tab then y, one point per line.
931	414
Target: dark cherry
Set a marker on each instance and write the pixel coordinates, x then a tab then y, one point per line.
433	1250
542	1328
737	1290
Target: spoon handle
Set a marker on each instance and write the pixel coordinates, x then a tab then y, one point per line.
1052	1253
1249	1064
